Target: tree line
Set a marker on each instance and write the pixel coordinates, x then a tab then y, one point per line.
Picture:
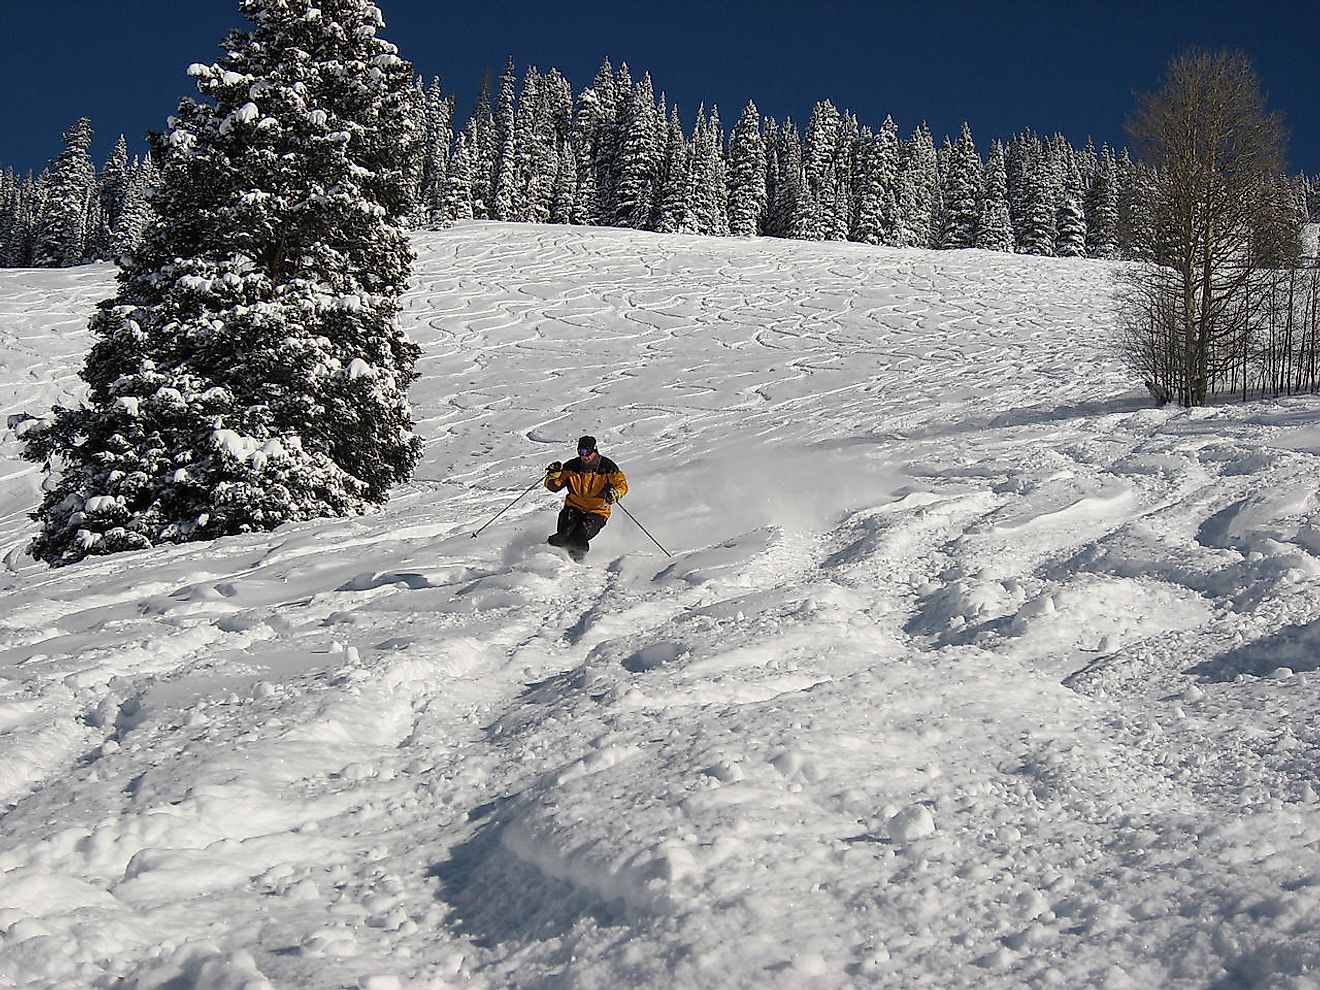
71	213
618	154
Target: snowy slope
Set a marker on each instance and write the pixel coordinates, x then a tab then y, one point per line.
968	668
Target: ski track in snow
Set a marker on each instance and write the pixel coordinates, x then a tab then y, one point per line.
970	669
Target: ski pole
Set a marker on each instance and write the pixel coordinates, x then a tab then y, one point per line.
510	505
641	527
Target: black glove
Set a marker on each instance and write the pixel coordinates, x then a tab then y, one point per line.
554	467
608	494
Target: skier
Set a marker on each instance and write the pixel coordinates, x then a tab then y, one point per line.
594	483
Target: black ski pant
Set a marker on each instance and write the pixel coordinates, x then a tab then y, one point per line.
577	528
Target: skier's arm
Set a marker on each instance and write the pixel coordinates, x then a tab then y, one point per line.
619	483
554	476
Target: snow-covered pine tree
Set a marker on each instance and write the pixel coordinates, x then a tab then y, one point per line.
250	370
65	223
747	196
788	213
770	138
1018	157
1070	223
674	186
819	145
837	215
638	157
866	191
962	192
28	196
1136	210
586	200
136	213
1102	208
1088	163
919	191
593	119
994	228
436	151
564	194
609	147
485	153
1301	193
888	161
1032	198
531	187
457	203
708	200
112	194
9	203
504	176
548	189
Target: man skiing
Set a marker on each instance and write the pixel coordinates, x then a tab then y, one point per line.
594	483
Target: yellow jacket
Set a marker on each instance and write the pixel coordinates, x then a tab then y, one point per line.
586	484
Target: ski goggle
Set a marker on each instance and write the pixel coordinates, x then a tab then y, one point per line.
585	451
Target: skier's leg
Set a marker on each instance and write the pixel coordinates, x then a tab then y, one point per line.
585	531
568	520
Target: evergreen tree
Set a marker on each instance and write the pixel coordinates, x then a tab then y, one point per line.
774	180
532	187
1088	163
66	223
484	148
637	160
1031	196
770	138
1019	155
1070	225
1137	239
789	212
837	214
887	164
593	119
675	181
435	154
250	370
1102	208
112	194
504	175
136	213
708	200
747	195
9	206
27	199
564	198
962	192
994	229
611	140
457	203
866	191
548	188
819	145
919	191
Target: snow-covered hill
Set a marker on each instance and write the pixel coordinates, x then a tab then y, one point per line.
968	668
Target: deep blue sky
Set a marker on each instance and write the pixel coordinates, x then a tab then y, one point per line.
1004	65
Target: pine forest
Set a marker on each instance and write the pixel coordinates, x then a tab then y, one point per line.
618	154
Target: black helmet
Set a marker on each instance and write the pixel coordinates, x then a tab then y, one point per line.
586	443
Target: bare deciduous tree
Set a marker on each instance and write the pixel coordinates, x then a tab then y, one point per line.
1213	230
